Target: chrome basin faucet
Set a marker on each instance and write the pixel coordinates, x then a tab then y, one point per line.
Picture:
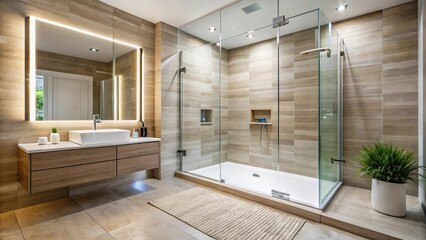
96	119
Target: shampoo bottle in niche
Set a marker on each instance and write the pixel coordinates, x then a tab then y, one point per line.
143	131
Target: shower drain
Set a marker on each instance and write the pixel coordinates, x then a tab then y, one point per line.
256	175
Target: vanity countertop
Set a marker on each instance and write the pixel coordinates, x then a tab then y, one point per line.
66	145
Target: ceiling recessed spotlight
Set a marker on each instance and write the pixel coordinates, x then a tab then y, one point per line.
250	34
342	8
212	29
94	49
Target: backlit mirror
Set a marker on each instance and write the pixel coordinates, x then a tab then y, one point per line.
75	74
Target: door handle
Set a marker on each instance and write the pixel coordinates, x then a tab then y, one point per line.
315	50
337	160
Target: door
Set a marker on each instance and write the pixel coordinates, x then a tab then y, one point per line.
330	72
200	111
69	96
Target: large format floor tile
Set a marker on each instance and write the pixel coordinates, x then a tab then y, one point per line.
46	211
353	205
73	226
122	212
150	227
313	230
116	214
97	198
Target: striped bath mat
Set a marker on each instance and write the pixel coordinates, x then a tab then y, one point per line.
225	217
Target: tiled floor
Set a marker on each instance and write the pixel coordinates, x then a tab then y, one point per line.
353	205
120	212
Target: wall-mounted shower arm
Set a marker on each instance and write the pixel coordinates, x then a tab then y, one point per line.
315	50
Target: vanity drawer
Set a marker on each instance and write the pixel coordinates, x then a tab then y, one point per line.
133	150
48	160
44	180
139	163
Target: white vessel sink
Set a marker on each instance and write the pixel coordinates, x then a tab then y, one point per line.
84	137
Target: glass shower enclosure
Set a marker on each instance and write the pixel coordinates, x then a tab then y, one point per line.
260	101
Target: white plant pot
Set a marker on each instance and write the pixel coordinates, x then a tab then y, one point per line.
55	138
388	198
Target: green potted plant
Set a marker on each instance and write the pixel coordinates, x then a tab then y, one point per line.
390	167
55	138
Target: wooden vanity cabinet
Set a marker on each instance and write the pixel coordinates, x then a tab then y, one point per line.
42	171
138	157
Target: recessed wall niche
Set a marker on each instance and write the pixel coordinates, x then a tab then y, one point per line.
206	117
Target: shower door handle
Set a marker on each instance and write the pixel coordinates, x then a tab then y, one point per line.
316	50
337	160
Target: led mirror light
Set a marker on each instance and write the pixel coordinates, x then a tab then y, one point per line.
32	67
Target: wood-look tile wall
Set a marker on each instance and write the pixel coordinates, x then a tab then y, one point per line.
91	15
380	83
167	96
253	85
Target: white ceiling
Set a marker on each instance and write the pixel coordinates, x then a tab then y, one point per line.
181	12
196	16
174	12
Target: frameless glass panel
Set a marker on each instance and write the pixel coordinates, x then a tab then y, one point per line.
298	108
201	110
329	173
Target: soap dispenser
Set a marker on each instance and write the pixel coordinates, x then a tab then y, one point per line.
143	131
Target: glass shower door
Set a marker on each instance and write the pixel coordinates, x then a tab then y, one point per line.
330	165
298	109
200	108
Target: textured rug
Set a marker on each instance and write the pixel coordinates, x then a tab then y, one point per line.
224	217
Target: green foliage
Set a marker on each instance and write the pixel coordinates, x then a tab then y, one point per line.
390	163
39	98
54	130
39	104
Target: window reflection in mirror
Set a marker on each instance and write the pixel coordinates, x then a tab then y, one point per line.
78	74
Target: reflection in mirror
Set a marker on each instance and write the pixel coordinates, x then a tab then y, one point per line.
78	74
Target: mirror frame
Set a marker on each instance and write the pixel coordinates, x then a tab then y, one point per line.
30	71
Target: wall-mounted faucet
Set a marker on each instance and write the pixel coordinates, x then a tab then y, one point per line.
96	119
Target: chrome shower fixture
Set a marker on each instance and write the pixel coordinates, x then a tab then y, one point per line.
316	50
279	21
182	70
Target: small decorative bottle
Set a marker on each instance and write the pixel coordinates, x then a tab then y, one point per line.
55	138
